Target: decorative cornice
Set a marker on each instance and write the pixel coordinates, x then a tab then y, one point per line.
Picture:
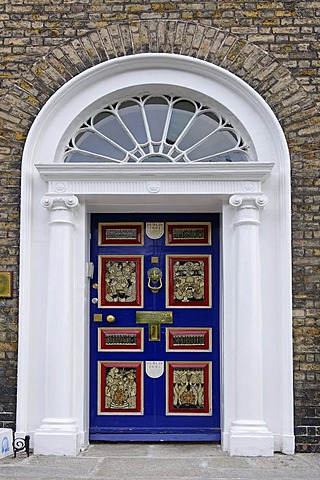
101	179
64	172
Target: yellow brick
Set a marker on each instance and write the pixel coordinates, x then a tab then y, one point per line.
20	136
187	15
25	85
135	8
285	13
32	100
270	21
161	7
252	14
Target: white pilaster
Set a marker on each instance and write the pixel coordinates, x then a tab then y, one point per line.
58	434
249	435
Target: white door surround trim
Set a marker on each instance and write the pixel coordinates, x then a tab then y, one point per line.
254	201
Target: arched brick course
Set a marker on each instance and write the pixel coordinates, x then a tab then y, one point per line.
250	62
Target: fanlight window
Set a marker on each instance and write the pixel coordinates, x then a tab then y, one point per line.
156	129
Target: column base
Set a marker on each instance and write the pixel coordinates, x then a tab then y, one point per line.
250	439
57	437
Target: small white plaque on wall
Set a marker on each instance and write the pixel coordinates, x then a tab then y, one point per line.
5	442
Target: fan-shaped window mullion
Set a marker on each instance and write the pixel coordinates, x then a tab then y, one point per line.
146	126
130	112
106	122
200	142
156	109
166	127
179	120
101	158
183	133
109	140
214	155
129	130
211	135
205	122
196	153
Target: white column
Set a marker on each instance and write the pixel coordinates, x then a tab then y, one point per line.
249	434
58	433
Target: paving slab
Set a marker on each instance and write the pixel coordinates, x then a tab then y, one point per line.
157	449
160	462
40	467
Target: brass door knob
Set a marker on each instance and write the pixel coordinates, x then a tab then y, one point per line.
111	319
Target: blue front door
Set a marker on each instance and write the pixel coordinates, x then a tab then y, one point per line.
154	327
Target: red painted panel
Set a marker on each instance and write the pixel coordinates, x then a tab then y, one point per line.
120	281
188	339
120	339
121	233
188	388
189	233
188	281
120	388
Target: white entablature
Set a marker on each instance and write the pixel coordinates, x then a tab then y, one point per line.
216	178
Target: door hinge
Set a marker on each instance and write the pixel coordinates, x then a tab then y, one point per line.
90	269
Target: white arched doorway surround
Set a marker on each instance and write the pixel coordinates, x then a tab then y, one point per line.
254	201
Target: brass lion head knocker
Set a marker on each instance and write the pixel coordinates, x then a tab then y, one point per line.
154	279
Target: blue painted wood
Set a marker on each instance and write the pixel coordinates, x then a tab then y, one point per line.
156	437
154	423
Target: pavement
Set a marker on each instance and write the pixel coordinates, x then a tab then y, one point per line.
160	462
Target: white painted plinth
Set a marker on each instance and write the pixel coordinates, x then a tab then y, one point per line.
57	437
251	440
5	442
56	443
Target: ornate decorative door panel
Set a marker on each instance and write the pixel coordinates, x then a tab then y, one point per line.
154	327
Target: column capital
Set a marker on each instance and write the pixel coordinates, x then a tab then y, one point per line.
257	201
58	202
247	208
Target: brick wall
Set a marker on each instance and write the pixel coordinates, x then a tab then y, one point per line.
273	46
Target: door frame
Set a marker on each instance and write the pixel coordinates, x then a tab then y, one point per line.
55	265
